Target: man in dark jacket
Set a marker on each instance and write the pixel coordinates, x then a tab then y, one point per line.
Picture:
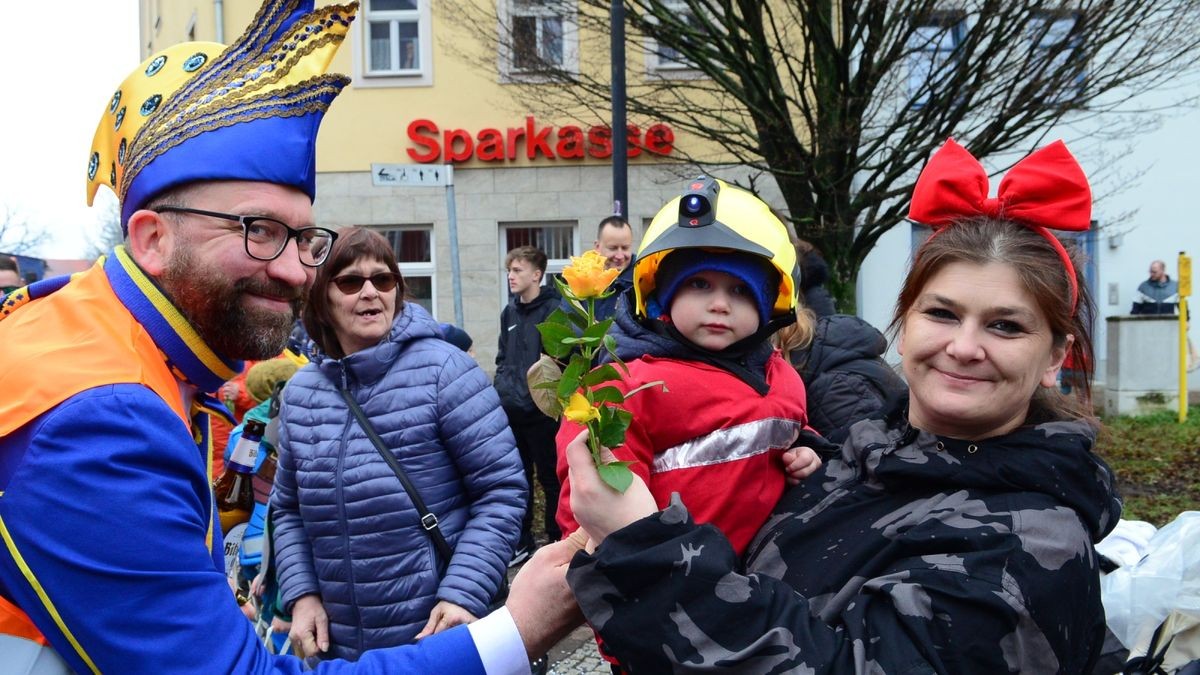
520	346
1158	294
844	375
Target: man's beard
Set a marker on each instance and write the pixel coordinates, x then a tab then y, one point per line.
215	309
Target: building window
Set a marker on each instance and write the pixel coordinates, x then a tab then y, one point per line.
539	36
558	240
1055	39
932	46
414	253
394	43
665	57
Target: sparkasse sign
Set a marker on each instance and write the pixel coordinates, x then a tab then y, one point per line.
534	141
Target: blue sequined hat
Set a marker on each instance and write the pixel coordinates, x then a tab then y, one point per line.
202	111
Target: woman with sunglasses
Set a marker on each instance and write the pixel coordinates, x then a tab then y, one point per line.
356	568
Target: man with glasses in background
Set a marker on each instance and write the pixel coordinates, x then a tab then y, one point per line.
111	557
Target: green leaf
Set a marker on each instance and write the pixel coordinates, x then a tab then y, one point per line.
608	395
554	336
563	289
568	318
543	378
571	376
558	316
598	330
581	340
613	424
617	475
610	343
605	373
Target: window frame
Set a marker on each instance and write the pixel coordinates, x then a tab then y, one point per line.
410	270
669	68
507	12
1042	26
554	266
952	25
364	77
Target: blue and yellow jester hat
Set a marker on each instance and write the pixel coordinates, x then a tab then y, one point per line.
202	111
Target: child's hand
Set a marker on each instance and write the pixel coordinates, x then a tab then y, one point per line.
800	463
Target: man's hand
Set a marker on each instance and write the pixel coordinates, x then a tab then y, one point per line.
445	615
800	463
540	601
599	509
310	625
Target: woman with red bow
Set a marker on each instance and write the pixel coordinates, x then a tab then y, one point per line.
954	536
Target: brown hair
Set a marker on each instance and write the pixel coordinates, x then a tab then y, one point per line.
982	240
530	254
353	244
616	222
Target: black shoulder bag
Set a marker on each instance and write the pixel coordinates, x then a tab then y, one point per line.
429	521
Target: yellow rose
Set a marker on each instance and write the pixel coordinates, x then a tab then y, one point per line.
579	411
586	275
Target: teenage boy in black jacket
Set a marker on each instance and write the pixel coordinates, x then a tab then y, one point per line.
520	347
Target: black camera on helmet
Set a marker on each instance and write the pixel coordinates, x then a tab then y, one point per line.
697	206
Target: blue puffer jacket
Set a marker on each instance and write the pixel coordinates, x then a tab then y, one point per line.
344	526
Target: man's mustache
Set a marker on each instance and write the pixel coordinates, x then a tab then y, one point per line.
272	288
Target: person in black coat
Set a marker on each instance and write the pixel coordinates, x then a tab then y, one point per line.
845	376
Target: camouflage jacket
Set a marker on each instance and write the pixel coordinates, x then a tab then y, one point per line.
907	553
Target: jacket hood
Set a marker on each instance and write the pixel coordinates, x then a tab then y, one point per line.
412	322
548	295
1053	458
839	339
814	270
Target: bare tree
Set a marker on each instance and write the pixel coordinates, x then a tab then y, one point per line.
17	234
842	102
107	232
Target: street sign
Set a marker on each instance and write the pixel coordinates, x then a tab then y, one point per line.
411	175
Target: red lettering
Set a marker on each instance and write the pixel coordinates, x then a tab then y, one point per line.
570	142
536	142
453	136
633	137
600	142
660	140
490	147
514	134
417	131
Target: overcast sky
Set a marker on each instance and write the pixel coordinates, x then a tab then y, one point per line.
61	69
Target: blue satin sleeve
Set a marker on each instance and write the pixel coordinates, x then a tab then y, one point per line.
104	513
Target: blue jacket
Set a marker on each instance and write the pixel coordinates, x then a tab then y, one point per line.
105	500
345	528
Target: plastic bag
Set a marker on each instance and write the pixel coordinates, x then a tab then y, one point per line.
1166	581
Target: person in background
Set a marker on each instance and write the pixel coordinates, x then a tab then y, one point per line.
845	377
521	346
814	273
955	534
357	568
457	337
1159	294
614	241
111	559
10	275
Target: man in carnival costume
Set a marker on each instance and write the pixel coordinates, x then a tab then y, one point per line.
110	560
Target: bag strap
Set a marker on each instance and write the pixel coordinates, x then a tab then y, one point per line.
429	522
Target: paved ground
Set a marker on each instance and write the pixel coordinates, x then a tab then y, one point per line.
577	655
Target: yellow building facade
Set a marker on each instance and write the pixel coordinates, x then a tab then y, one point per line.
429	89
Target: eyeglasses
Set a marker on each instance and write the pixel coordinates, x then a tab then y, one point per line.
265	238
353	283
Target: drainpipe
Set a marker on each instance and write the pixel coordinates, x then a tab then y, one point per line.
219	17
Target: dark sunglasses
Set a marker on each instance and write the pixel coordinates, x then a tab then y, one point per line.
353	283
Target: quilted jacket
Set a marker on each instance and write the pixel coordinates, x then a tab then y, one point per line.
345	528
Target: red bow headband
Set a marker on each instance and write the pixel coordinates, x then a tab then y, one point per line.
1047	189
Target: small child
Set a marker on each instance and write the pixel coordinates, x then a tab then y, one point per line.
712	282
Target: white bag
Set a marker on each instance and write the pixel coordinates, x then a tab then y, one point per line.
1166	581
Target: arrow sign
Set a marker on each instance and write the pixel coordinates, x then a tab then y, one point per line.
411	175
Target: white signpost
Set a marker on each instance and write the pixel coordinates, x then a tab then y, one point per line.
428	175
